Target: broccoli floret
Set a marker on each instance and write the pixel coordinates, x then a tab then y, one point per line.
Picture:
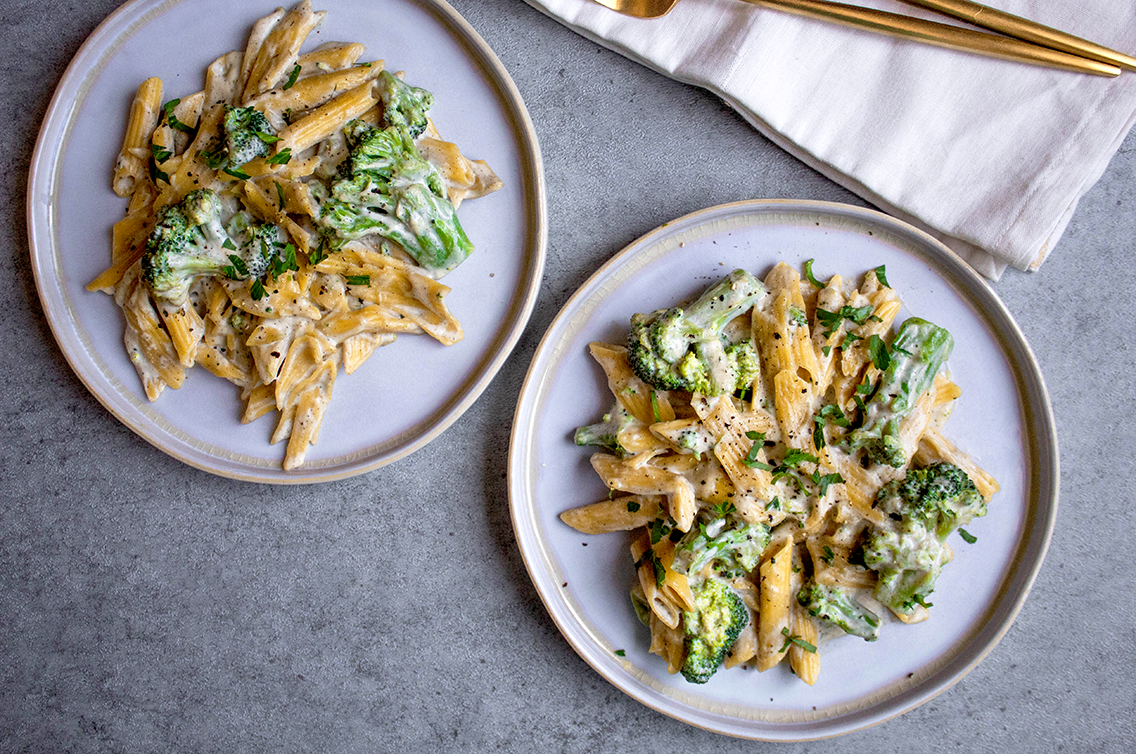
941	496
605	434
258	242
834	605
247	135
403	105
743	360
924	508
711	628
917	353
731	546
189	241
677	349
385	188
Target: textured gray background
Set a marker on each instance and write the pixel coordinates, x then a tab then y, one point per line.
147	606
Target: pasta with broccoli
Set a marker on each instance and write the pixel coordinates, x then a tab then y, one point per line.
775	450
284	222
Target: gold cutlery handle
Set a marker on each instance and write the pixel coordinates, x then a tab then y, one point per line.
1031	31
942	35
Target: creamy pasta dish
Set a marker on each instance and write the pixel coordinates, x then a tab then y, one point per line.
775	449
284	222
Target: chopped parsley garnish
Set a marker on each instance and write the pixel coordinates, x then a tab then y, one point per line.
284	263
774	504
267	138
809	275
787	469
826	481
236	269
831	320
228	244
918	599
156	174
173	122
236	173
258	291
633	506
970	538
160	153
283	157
280	194
794	457
829	555
358	279
659	529
318	254
878	351
829	413
725	508
660	572
212	159
295	74
881	275
794	639
618	652
751	457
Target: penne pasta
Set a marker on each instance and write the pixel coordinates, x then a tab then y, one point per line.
130	167
227	257
758	516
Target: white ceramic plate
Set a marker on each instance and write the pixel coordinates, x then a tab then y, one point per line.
408	392
1003	419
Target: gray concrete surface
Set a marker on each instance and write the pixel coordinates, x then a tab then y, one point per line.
146	606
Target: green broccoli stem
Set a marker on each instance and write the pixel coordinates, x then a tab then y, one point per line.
834	605
917	353
605	433
702	322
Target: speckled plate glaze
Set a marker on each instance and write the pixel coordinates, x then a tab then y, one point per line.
407	393
1003	419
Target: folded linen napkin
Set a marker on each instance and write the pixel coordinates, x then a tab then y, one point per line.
987	155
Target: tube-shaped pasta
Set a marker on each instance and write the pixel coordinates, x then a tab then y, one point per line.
130	167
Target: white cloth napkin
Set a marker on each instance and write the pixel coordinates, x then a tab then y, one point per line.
987	155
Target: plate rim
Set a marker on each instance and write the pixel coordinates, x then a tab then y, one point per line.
1042	485
45	168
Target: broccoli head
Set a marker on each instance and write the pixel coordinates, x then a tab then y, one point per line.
683	349
259	243
834	605
908	553
711	629
605	433
403	105
385	188
190	241
730	546
247	135
941	496
917	353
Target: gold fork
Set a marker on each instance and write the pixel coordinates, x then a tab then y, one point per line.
1075	54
